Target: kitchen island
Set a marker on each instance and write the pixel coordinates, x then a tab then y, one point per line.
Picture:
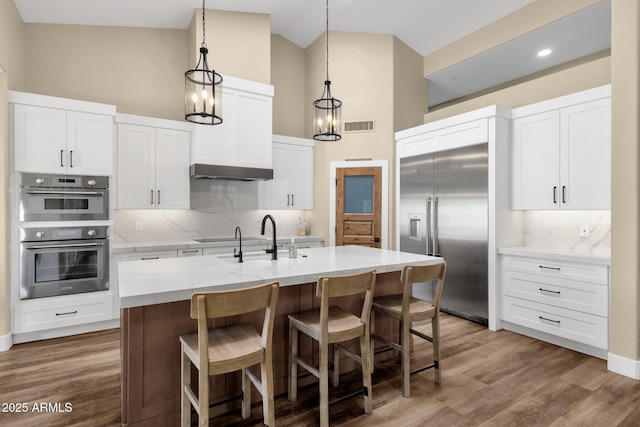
155	299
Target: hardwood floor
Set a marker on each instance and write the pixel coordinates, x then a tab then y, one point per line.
488	379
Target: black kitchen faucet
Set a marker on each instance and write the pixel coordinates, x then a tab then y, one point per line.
274	248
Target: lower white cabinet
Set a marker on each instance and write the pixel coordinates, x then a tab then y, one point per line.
561	298
63	311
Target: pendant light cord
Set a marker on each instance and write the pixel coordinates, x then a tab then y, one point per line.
327	41
204	43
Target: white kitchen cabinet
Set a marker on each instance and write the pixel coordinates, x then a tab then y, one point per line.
63	311
244	137
292	183
153	167
562	156
557	298
62	141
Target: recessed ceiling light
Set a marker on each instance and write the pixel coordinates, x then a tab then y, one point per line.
544	52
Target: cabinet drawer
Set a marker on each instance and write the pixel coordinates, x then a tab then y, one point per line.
573	325
592	273
142	256
65	311
581	296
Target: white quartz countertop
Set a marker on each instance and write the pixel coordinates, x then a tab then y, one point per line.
175	279
556	254
128	247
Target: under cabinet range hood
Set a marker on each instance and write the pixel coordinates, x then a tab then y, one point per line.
232	173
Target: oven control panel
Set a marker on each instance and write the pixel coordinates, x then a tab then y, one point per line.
63	233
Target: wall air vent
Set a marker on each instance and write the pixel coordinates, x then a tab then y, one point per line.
361	126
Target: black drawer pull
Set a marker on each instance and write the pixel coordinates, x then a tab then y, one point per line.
549	320
151	257
550	291
549	268
65	314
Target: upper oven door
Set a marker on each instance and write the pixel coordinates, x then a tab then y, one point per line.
63	267
55	204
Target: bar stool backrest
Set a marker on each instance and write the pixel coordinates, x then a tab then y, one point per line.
422	273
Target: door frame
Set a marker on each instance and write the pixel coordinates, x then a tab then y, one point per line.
384	164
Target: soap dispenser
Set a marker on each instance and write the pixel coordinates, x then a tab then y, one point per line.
293	250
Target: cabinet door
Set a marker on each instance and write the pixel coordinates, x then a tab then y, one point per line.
585	144
40	136
172	169
536	165
277	194
136	167
254	146
301	177
216	144
89	143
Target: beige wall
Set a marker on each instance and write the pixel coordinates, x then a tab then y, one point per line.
288	79
12	45
409	87
361	74
625	214
239	43
141	71
12	48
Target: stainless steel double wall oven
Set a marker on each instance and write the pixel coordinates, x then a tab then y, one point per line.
64	244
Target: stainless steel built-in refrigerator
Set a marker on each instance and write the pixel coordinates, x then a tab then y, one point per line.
444	212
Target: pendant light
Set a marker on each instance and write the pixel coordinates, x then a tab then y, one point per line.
203	89
327	111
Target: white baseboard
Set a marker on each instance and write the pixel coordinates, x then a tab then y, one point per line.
623	366
6	341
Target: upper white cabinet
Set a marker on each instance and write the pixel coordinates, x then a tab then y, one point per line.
153	164
562	152
292	183
56	135
244	137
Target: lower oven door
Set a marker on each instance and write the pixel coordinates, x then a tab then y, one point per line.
63	204
60	268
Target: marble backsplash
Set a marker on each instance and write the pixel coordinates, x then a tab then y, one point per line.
560	230
217	208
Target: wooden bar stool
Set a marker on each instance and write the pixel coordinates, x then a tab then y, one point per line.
407	310
331	325
237	347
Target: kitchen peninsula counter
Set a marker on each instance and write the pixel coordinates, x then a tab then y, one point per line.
155	300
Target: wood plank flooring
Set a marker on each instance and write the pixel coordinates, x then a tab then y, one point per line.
488	379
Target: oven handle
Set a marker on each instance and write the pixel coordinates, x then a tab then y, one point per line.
68	193
73	245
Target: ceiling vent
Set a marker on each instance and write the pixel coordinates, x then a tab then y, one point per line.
362	126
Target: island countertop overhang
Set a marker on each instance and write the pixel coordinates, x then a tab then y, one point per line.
151	282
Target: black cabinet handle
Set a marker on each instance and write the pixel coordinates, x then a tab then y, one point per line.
71	158
549	291
61	158
549	320
288	200
67	313
151	197
549	268
564	191
555	193
292	199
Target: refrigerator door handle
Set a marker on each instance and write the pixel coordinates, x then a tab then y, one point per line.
436	251
429	246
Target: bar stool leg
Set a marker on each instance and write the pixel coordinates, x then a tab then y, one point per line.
293	365
203	397
185	382
246	395
367	363
435	330
324	384
335	375
373	346
406	351
268	408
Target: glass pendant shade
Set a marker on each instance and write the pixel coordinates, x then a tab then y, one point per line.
203	93
327	116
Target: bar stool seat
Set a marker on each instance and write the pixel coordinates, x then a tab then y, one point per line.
232	348
407	310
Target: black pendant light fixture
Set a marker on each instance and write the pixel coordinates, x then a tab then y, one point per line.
327	111
203	89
